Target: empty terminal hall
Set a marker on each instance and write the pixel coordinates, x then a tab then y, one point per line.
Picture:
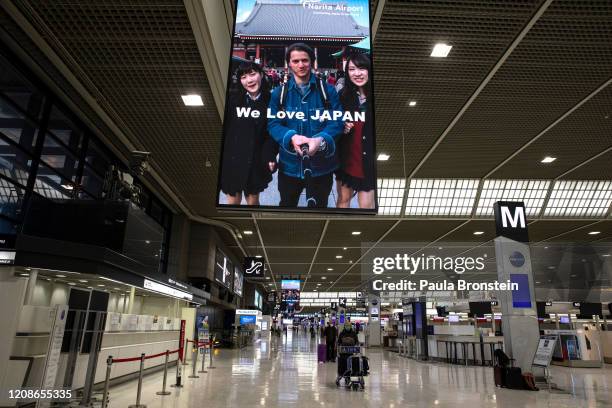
304	203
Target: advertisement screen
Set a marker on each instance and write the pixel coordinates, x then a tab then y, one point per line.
224	269
298	130
248	320
238	280
290	284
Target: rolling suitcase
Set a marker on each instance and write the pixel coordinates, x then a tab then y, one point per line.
322	353
513	378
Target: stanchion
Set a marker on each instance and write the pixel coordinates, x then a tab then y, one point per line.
138	404
194	362
109	364
163	391
179	371
185	352
203	371
210	364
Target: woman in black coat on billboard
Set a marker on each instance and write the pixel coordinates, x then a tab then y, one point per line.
249	153
357	172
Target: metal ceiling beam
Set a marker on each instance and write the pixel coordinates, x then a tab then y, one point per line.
517	40
209	22
376	18
365	253
549	127
432	242
263	248
314	257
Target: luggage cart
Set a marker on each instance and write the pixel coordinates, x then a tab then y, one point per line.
352	367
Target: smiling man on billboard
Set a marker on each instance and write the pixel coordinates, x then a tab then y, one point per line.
304	93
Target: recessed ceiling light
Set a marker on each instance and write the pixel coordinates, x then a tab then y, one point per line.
606	255
101	286
323	277
351	261
24	274
330	269
90	287
388	277
192	100
440	50
147	242
344	248
572	276
60	276
538	282
258	256
267	278
28	269
247	232
338	256
594	232
356	233
318	284
551	267
82	281
478	232
117	288
412	103
548	159
314	290
71	283
383	157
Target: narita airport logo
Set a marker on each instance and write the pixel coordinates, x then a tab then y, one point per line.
320	6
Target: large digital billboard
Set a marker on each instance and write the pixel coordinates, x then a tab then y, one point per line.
298	131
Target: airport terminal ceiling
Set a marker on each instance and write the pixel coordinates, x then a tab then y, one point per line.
524	80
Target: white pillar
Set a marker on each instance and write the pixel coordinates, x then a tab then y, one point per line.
31	286
519	317
131	305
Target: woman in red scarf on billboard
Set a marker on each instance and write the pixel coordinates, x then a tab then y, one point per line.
356	173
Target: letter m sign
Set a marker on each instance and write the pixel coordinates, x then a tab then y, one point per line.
510	220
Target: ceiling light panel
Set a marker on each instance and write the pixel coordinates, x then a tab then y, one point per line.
576	198
441	197
390	195
531	192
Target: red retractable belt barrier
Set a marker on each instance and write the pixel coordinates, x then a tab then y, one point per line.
125	360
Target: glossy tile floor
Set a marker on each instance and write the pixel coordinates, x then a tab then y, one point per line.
282	372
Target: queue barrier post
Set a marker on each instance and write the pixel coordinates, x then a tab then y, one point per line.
109	365
185	352
194	362
163	391
212	343
179	369
139	391
202	371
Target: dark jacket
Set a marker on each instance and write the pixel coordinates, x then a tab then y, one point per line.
282	130
330	333
247	147
346	336
367	142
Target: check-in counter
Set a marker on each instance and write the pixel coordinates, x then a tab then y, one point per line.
464	349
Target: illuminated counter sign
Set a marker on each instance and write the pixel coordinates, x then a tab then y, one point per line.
166	290
7	257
